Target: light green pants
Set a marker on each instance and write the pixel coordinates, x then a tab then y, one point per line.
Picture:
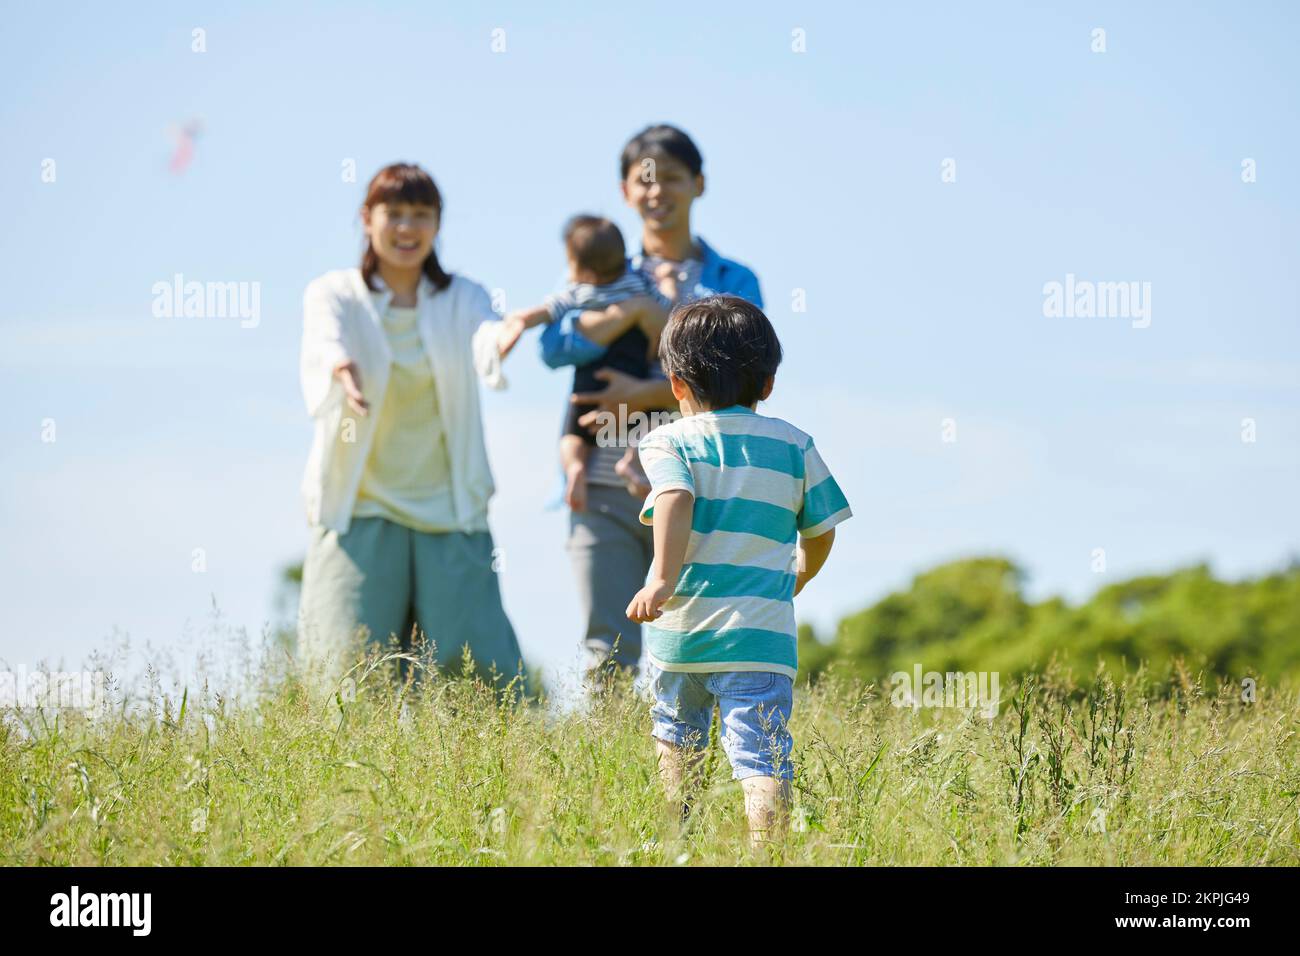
380	580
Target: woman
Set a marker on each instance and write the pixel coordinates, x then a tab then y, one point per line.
397	482
662	176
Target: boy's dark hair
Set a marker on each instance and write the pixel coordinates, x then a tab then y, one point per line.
661	140
596	244
723	347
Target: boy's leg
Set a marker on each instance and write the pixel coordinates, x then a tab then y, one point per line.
767	807
679	772
680	716
755	708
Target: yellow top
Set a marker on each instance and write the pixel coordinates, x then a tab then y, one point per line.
407	477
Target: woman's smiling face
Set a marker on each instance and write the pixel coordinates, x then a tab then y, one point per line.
401	233
661	190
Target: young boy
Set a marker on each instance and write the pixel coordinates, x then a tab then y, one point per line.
598	278
731	493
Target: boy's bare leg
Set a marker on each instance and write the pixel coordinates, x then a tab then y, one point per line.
679	771
767	805
573	456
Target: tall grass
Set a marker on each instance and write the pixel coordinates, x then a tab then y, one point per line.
448	772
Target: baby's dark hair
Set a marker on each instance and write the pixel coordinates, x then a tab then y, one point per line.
596	244
723	348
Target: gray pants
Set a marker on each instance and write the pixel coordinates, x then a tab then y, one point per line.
381	579
611	551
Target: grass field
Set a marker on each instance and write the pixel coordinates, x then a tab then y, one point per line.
444	774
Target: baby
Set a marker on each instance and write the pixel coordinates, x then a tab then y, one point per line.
599	277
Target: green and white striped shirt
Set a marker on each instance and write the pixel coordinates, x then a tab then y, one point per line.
758	483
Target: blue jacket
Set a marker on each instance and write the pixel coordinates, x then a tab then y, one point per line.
562	344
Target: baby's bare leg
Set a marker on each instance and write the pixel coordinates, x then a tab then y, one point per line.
573	457
629	469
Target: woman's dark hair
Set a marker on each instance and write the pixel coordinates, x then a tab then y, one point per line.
661	140
723	347
403	182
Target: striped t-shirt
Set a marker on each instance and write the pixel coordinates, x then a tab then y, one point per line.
584	295
758	483
601	459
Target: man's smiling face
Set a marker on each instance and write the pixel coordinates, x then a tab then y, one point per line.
661	190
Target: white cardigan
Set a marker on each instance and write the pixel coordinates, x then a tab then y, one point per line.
341	321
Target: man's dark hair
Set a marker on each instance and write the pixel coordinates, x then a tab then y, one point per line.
723	347
658	141
596	244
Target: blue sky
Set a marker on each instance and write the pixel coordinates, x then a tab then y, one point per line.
924	298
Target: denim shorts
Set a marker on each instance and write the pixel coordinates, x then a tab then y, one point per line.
755	708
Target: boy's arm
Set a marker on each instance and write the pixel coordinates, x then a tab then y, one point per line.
824	506
674	509
812	554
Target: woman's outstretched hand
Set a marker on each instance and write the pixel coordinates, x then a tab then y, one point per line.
349	377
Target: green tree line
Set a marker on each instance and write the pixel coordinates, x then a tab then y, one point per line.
972	615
